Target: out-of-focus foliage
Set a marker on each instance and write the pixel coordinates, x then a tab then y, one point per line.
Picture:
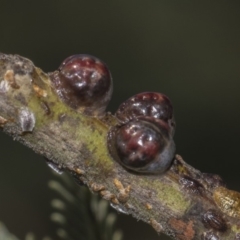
76	214
79	214
5	234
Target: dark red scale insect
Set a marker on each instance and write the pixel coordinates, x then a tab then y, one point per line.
84	83
153	105
143	141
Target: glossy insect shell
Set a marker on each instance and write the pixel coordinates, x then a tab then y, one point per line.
141	146
83	82
147	104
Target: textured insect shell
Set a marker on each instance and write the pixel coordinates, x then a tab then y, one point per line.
147	104
191	185
213	219
152	104
228	201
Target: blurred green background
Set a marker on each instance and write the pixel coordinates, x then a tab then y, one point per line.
189	50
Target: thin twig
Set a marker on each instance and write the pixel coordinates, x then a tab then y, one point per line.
182	203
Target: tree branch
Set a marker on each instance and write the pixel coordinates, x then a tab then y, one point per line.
182	203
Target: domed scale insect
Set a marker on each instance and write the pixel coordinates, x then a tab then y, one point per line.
84	83
143	142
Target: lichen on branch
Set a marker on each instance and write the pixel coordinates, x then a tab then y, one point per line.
181	202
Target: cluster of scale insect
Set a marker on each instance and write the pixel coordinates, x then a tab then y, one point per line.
143	140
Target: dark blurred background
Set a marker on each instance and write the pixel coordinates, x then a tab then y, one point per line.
189	50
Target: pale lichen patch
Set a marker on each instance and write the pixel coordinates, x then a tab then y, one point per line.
167	195
235	228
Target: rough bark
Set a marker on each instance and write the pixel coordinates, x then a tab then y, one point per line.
182	203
